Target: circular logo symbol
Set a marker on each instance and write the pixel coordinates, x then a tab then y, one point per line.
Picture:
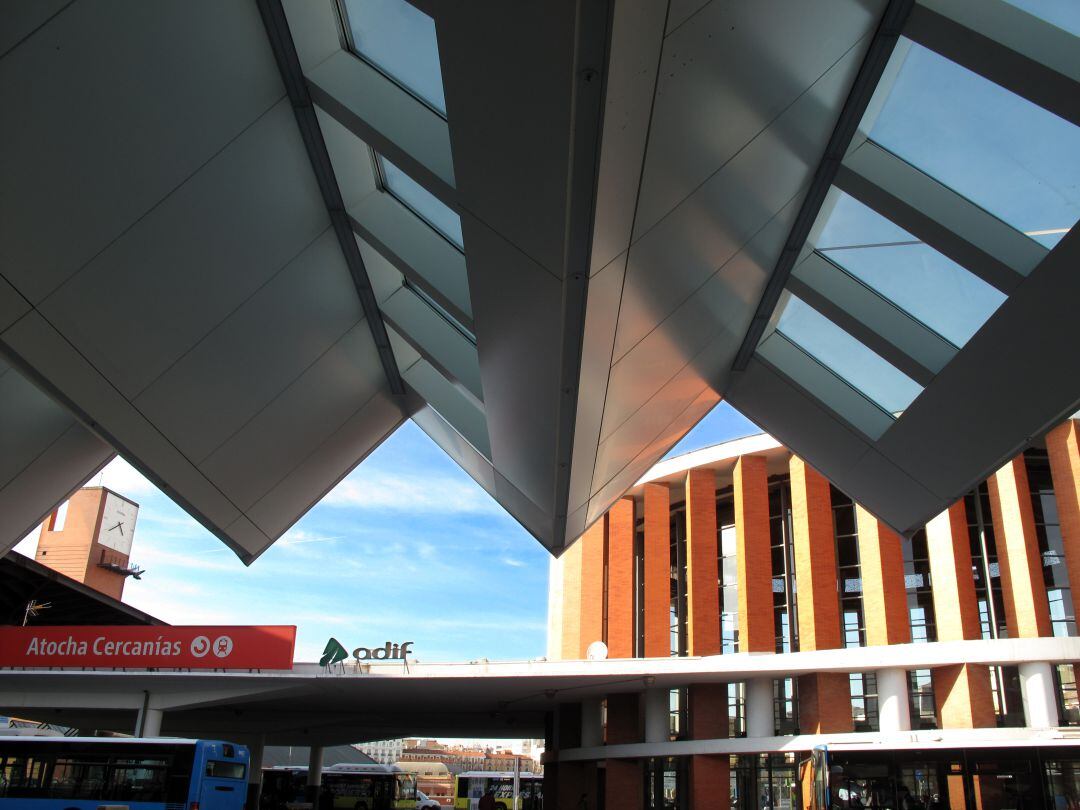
200	646
223	646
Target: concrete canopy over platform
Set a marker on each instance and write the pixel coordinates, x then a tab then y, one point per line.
237	247
311	706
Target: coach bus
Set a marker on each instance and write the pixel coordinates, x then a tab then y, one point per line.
1036	773
86	773
348	786
471	786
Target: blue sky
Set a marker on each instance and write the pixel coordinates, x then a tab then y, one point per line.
406	548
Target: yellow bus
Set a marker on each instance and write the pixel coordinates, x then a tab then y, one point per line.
353	787
470	786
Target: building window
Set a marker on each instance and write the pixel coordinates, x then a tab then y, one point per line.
665	784
728	566
1004	681
677	713
1068	700
1051	548
736	709
783	566
849	574
920	595
785	706
639	580
922	706
677	601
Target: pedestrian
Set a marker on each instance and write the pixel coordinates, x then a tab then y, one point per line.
487	801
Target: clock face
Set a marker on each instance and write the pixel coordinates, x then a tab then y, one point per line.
118	524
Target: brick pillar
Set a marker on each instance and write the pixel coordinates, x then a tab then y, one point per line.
583	591
1063	447
657	567
624	784
1027	614
702	592
962	692
620	595
824	698
753	555
881	561
709	773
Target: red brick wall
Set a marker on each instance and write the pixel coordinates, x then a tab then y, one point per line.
702	594
881	559
1026	611
657	577
1063	447
825	703
620	596
756	631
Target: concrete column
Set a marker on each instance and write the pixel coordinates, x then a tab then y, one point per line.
657	498
592	723
1027	613
884	591
148	723
620	579
1040	698
1063	448
753	555
824	698
760	711
702	593
894	712
314	773
255	747
657	715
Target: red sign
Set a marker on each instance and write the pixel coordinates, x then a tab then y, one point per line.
251	647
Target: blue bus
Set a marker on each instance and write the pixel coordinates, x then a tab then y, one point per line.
86	773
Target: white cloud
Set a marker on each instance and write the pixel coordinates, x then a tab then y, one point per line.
119	476
414	492
513	563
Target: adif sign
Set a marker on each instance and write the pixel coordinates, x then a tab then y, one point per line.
383	653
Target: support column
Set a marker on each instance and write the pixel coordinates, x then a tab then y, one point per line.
657	715
1040	695
709	774
962	691
884	593
1063	448
894	712
657	551
754	555
148	721
567	784
623	778
255	764
702	591
620	577
314	773
760	709
824	698
1027	613
592	723
583	591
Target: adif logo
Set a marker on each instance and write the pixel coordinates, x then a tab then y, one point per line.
201	646
388	650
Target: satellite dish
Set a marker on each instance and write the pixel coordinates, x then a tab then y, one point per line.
597	651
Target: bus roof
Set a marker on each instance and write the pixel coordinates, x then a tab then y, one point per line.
343	767
502	774
26	739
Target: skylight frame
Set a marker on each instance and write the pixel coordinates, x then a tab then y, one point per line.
349	43
383	184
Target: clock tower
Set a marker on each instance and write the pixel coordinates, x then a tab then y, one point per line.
88	538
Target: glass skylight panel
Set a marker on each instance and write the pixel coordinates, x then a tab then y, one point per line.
927	285
1062	13
863	369
422	202
399	40
1005	154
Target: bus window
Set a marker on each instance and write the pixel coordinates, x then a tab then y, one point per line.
138	780
22	777
217	769
78	778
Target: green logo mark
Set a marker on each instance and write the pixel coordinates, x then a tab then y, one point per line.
333	653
